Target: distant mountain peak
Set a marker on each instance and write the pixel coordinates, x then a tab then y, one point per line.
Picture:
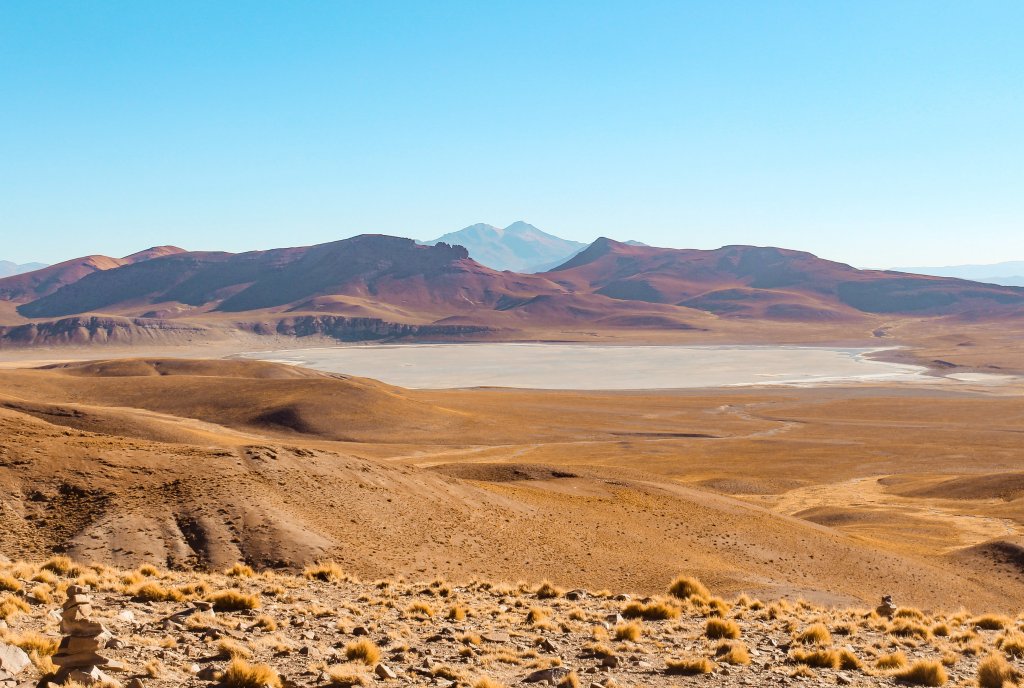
519	247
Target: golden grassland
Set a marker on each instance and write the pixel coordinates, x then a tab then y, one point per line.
303	629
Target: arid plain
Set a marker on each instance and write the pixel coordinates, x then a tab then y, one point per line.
837	493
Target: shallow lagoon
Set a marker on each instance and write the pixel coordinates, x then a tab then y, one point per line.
587	366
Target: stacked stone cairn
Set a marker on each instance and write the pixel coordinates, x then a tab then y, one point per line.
78	656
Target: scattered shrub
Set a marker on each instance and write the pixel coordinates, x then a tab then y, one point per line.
732	652
547	591
326	571
820	658
629	631
896	660
688	587
655	611
815	634
689	666
241	674
233	601
240	570
924	672
363	651
721	628
991	622
995	672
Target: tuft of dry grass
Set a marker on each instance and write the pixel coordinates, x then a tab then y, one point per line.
717	629
11	606
486	682
9	583
363	651
548	591
30	642
420	610
995	672
326	571
233	601
924	672
348	675
241	674
732	652
896	660
815	634
457	612
991	622
654	611
233	649
689	666
266	622
631	631
820	658
801	671
154	592
902	628
62	566
240	570
688	587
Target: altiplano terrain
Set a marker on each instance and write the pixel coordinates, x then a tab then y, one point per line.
819	492
240	628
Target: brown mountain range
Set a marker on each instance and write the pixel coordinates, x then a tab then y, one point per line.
374	287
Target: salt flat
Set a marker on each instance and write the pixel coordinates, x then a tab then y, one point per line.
596	367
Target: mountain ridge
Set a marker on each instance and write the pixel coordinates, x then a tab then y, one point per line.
380	287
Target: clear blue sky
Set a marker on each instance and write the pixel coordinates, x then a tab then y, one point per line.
877	133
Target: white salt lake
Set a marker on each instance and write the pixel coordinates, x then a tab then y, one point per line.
597	367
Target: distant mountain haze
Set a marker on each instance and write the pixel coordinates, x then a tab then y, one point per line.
374	286
8	268
1010	274
520	247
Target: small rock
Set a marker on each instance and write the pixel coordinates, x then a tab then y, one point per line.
384	671
13	659
552	675
126	615
548	646
208	673
136	683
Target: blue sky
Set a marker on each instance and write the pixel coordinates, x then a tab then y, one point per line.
877	133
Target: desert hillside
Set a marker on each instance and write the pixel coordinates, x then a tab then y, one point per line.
821	493
240	628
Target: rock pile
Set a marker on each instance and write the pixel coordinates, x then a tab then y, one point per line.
79	655
887	608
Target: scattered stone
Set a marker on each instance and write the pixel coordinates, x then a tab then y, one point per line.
551	676
13	660
384	671
496	637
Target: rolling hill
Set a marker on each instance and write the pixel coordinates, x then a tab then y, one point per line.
381	287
